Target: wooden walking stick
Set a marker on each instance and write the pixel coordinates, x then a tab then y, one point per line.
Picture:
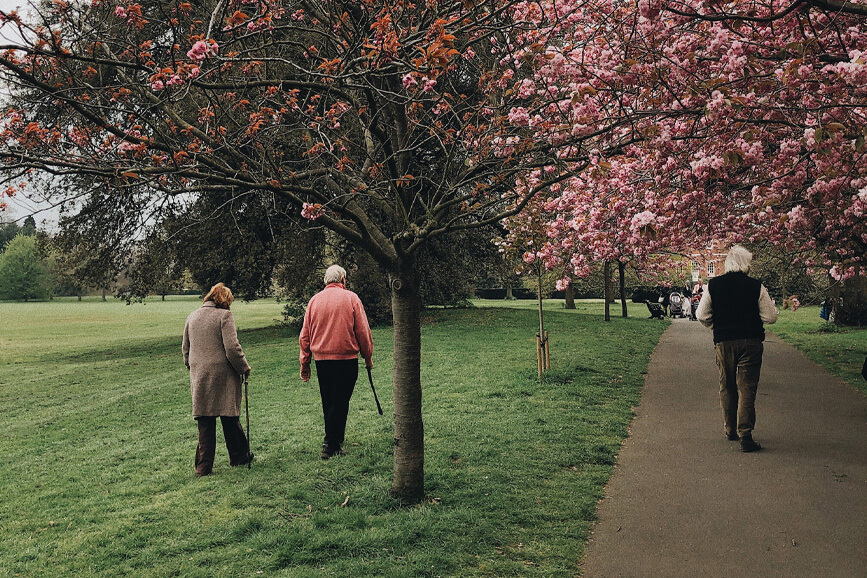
247	407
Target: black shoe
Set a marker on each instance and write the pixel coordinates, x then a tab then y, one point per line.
732	437
245	462
748	445
331	451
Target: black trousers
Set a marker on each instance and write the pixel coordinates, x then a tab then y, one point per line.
336	382
236	442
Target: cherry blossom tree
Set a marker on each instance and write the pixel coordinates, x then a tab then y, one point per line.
779	112
783	101
748	120
388	123
582	225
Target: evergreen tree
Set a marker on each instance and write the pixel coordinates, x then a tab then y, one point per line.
23	273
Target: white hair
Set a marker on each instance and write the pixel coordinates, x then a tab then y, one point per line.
335	274
738	259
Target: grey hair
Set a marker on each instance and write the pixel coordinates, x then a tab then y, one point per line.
335	274
738	259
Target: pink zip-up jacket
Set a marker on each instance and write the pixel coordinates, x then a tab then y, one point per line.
335	327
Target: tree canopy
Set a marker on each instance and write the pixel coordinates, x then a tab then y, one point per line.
751	116
385	122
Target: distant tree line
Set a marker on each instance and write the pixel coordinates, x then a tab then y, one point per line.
257	248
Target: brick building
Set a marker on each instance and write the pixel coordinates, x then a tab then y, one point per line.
708	263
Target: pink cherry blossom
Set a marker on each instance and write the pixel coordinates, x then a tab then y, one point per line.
312	211
202	50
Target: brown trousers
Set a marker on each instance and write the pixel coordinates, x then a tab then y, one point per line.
236	443
740	363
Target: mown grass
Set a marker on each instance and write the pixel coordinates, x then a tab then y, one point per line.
97	476
841	350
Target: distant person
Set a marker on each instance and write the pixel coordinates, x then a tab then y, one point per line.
736	306
216	362
825	310
693	304
335	331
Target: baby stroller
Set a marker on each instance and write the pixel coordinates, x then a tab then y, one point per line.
675	305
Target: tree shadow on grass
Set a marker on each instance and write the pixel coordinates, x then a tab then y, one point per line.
164	347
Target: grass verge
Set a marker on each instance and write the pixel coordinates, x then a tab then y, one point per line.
840	350
98	477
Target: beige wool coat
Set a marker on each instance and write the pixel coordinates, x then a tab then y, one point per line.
216	361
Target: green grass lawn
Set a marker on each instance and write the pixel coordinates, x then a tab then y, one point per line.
840	350
96	476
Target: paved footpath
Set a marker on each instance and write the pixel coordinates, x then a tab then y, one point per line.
684	501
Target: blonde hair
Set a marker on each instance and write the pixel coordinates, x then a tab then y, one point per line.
220	295
738	259
335	274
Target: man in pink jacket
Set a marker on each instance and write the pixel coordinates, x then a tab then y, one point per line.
335	331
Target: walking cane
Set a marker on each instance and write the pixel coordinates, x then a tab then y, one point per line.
370	377
247	407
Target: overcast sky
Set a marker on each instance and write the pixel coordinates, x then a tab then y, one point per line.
11	4
21	205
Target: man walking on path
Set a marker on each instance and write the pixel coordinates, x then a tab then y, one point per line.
335	331
736	306
680	506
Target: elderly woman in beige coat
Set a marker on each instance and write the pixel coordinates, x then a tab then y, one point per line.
216	362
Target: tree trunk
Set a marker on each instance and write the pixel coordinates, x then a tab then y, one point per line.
164	296
103	295
570	297
541	317
408	481
509	293
853	308
79	296
621	267
606	273
834	312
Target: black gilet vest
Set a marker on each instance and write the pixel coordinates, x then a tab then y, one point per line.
734	298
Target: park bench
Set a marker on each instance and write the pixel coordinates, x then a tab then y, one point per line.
656	310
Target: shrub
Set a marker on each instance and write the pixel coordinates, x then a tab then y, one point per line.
293	314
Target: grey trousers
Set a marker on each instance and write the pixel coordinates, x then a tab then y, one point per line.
740	363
